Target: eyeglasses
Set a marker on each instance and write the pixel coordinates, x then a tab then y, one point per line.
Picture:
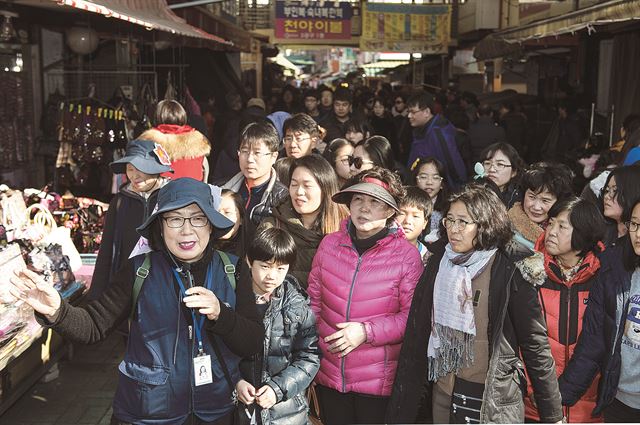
425	177
289	139
458	224
358	162
611	192
257	155
399	101
176	222
632	226
499	166
414	111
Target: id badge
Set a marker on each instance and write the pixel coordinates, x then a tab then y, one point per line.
202	370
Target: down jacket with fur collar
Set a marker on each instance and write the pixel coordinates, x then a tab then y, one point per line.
374	288
188	150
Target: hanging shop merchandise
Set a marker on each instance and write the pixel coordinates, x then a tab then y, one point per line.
92	134
16	143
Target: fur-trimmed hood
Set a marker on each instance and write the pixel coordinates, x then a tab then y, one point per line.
180	146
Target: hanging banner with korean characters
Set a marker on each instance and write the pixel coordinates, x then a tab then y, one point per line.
406	28
312	23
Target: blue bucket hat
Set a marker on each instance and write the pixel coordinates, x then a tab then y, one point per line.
147	156
183	192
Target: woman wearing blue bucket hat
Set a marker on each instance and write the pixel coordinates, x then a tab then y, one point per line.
186	315
143	163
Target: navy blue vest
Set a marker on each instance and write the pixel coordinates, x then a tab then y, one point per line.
156	385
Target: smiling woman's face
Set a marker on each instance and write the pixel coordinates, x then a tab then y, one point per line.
187	242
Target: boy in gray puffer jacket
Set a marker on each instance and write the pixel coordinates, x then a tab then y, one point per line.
274	381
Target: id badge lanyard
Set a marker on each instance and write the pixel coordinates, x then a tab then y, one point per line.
197	324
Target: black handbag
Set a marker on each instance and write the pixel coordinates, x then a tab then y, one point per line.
466	402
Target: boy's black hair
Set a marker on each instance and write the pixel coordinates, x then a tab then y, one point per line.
311	93
272	244
261	131
417	198
301	123
343	94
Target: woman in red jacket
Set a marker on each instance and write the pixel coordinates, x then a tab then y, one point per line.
563	267
361	284
188	149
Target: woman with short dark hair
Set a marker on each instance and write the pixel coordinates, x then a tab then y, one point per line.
543	184
564	269
479	324
620	191
609	344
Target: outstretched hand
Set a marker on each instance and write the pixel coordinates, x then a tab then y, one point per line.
31	288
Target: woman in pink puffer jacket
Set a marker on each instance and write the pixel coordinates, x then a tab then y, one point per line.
361	285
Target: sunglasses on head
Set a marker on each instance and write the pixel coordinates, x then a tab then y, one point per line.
358	162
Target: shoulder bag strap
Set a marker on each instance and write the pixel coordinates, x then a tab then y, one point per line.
229	268
141	275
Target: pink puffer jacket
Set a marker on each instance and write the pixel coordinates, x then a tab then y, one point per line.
376	289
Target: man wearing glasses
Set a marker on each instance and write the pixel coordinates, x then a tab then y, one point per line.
434	136
257	182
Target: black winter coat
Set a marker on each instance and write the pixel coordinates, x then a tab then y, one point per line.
126	212
290	357
516	325
598	348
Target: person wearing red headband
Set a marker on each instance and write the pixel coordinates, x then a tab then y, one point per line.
360	285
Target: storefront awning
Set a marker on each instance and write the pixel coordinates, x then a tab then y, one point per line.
505	42
152	14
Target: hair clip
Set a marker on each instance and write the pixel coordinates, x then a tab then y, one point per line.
479	170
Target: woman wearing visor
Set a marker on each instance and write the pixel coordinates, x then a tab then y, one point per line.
361	283
189	323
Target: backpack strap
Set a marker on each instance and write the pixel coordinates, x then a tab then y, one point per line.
229	268
141	274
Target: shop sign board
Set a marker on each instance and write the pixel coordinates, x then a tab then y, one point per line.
315	22
406	28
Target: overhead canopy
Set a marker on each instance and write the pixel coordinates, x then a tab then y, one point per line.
504	42
286	64
152	14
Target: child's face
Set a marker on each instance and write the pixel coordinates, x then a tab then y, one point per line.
429	180
228	209
141	182
413	222
266	276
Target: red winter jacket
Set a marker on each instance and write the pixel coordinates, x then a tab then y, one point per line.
564	304
187	149
375	289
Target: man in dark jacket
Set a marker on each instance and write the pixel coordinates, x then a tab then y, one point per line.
484	132
335	122
434	136
257	182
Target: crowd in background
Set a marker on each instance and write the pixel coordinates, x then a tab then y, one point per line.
406	263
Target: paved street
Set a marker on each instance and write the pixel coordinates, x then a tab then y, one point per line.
82	393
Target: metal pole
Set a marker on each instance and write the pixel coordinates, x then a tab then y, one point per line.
593	113
193	3
613	116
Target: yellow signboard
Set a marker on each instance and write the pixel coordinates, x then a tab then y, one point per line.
409	28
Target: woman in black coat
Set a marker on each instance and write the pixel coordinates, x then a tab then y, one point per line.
467	363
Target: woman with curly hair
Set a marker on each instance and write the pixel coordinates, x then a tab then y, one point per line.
361	283
473	325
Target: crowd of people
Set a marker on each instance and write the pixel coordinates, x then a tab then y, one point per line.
386	260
